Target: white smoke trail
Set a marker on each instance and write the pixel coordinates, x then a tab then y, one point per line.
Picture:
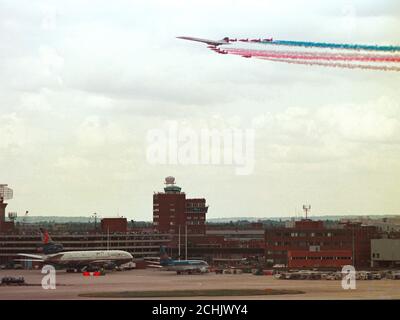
316	56
335	64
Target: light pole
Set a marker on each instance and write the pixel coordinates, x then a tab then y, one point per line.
186	242
95	222
179	242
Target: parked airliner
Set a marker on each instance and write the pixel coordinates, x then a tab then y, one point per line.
80	260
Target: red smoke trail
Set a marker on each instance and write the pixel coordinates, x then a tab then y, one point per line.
335	65
380	56
314	56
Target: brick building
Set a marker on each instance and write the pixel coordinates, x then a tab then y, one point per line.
306	234
111	225
173	212
319	259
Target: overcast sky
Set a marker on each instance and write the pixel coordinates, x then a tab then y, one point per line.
83	82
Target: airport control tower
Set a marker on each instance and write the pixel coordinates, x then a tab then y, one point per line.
173	212
6	193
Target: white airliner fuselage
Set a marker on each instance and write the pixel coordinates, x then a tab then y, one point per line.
83	258
207	41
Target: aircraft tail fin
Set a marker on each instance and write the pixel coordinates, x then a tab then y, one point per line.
46	239
164	258
48	245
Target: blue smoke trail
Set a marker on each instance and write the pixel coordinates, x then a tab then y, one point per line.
333	45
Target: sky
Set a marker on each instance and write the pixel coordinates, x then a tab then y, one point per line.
82	84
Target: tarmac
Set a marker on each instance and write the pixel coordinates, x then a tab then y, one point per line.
70	285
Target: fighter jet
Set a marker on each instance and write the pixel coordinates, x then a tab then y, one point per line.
214	43
218	50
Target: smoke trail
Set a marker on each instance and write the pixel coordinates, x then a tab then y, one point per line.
335	65
311	53
332	45
314	56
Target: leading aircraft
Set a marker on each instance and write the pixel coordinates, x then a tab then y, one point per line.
213	43
53	254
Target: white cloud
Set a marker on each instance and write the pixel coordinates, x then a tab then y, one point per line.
97	132
72	162
13	134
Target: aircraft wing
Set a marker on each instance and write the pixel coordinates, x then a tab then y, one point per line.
207	41
152	260
29	259
31	256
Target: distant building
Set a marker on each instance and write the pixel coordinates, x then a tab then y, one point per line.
5	193
2	212
385	252
251	233
112	225
307	233
389	225
319	259
5	226
173	212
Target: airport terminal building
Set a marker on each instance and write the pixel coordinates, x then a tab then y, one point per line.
328	246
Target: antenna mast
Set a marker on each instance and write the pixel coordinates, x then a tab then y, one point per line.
95	222
307	209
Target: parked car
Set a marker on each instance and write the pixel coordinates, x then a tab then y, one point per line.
361	275
126	266
12	280
394	275
376	276
257	272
